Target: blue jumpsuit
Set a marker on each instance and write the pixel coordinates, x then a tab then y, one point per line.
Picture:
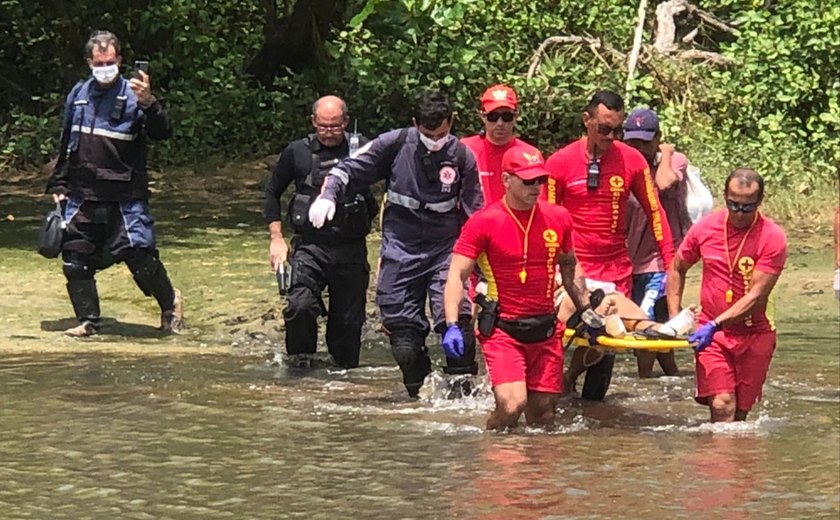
102	171
429	197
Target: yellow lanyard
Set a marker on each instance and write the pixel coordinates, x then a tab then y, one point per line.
729	263
525	230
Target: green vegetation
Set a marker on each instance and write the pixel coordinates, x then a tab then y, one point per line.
760	85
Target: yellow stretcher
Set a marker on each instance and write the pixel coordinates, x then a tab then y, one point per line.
630	341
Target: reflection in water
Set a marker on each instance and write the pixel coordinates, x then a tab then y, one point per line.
513	478
216	437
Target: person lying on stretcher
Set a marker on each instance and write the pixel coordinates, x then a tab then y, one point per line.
612	314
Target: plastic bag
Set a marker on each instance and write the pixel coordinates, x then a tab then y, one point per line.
699	200
51	234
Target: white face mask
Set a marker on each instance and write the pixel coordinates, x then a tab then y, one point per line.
431	144
106	73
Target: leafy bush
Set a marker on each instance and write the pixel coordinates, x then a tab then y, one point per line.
776	108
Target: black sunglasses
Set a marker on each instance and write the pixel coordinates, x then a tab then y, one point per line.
542	179
494	116
616	131
737	207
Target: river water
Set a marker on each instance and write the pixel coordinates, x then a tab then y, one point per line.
104	436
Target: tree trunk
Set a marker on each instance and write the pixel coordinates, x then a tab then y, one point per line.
295	41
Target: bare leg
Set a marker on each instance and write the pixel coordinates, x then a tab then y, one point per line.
722	408
540	409
511	399
644	362
668	363
576	368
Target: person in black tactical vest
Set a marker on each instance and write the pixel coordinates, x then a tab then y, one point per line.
333	257
432	187
101	180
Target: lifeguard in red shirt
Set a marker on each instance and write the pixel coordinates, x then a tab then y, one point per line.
593	177
498	114
743	254
517	242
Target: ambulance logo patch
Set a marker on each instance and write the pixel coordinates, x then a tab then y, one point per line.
447	176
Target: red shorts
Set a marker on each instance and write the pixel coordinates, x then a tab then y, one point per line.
539	365
734	364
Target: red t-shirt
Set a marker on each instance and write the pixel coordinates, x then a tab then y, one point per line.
765	250
488	158
493	238
599	214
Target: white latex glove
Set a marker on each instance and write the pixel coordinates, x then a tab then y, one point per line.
321	211
837	283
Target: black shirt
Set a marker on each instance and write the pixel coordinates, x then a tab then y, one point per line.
294	165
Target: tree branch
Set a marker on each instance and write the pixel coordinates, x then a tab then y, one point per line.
711	19
666	28
705	56
637	45
594	44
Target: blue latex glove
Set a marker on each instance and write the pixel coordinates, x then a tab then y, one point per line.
453	342
702	337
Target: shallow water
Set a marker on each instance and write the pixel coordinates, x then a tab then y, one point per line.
95	436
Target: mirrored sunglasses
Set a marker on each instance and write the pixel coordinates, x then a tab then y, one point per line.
737	207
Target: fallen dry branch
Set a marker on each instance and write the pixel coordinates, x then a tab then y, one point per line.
705	56
666	27
711	19
594	44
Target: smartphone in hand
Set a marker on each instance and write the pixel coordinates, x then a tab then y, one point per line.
138	66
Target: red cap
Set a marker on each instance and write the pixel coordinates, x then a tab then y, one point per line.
498	96
524	161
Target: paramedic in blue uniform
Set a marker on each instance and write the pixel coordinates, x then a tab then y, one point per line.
332	257
100	178
432	187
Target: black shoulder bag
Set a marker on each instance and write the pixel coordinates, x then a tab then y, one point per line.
51	234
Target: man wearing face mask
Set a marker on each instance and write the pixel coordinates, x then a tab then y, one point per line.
334	256
593	178
433	187
498	115
101	179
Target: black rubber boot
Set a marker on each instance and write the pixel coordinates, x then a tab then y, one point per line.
412	356
85	300
151	277
460	370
